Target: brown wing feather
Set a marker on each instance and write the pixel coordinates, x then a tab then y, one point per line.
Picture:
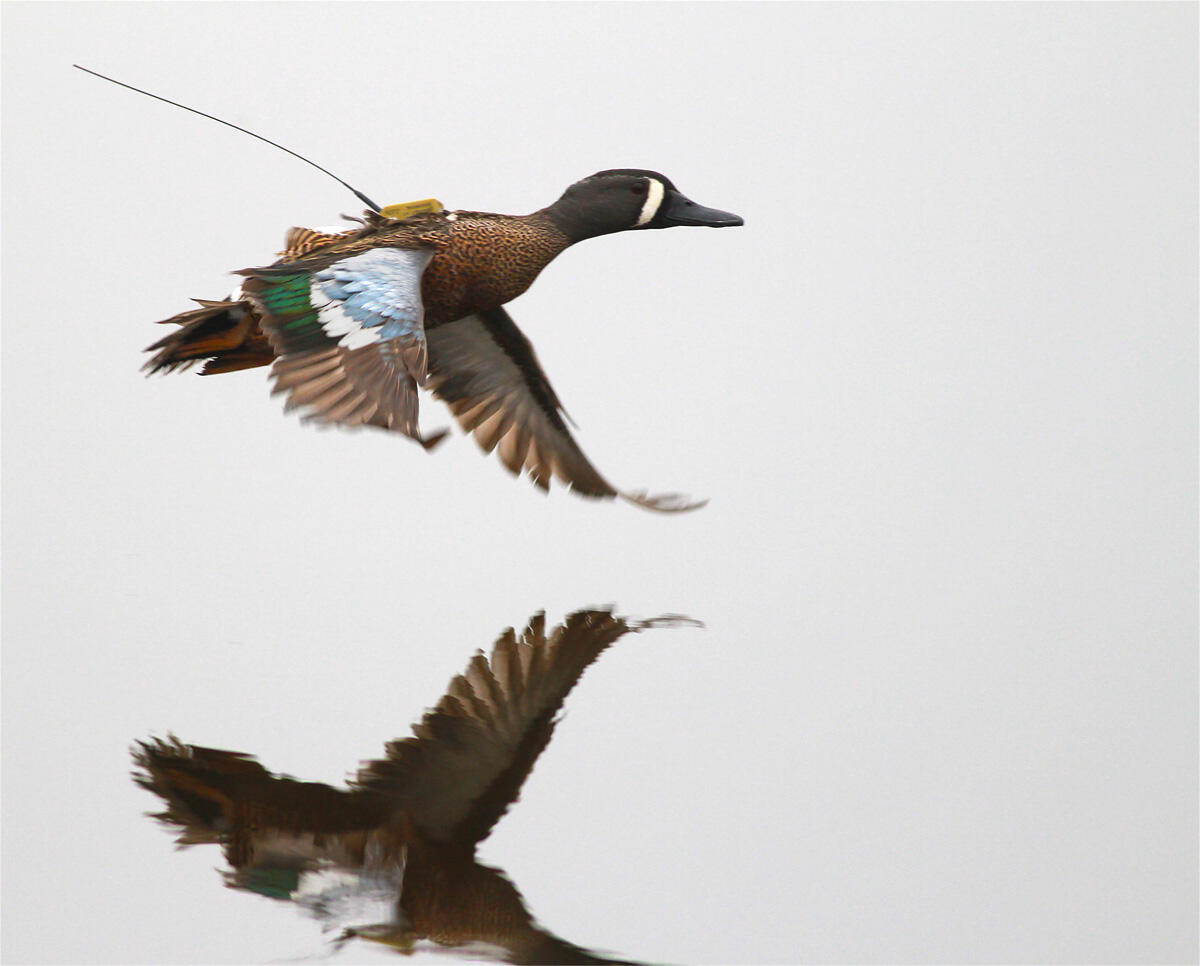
470	755
486	371
371	385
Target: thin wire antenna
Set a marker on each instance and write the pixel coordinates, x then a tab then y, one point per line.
358	194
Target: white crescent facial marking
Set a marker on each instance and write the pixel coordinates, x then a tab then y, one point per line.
653	199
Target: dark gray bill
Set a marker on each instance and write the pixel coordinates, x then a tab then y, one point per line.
683	211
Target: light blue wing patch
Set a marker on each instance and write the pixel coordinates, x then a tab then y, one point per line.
373	297
349	337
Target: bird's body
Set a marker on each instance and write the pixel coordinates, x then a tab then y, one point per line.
354	322
409	825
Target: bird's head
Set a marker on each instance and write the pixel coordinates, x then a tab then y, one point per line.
624	199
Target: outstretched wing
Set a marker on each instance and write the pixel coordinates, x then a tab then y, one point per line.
487	372
471	753
349	335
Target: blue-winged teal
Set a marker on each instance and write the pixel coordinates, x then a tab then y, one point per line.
410	823
354	321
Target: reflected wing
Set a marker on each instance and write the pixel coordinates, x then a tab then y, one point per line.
470	755
264	821
349	335
487	372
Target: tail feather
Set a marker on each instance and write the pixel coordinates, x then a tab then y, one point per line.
189	781
209	794
226	334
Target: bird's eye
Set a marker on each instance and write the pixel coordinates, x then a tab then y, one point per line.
640	188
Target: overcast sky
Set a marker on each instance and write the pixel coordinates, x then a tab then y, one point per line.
940	390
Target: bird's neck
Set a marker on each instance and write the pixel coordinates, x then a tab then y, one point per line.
569	218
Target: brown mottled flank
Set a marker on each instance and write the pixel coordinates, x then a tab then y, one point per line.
303	241
483	260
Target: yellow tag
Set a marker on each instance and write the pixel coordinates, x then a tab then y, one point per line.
407	209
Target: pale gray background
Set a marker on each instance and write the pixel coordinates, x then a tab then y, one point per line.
940	389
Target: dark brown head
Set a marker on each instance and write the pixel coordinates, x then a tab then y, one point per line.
623	199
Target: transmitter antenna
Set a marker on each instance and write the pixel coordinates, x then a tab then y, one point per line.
358	194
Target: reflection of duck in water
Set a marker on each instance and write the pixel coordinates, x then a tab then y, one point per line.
409	824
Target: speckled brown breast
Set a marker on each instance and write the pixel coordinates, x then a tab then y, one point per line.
486	261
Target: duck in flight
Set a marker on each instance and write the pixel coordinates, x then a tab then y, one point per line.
408	826
353	322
